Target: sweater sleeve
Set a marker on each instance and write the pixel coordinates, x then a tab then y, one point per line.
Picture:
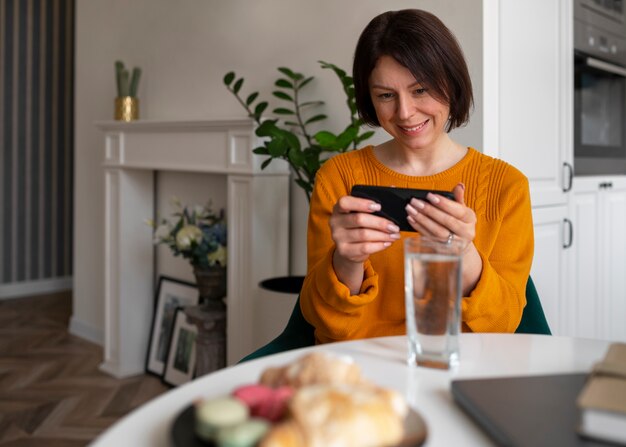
497	302
326	302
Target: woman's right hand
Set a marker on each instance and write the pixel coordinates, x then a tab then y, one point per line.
358	233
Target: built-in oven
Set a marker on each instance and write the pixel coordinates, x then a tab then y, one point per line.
600	87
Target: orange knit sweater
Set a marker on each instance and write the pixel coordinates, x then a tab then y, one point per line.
496	191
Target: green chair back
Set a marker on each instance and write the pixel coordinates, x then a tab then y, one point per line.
299	333
533	319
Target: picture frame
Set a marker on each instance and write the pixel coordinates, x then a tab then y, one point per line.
171	294
181	358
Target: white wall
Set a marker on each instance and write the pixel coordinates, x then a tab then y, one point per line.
184	49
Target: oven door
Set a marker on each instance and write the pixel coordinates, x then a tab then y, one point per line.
599	117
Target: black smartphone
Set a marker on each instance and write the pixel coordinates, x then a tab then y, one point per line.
394	200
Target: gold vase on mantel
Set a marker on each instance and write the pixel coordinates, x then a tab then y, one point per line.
126	108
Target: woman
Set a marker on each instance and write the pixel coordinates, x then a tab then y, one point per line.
411	78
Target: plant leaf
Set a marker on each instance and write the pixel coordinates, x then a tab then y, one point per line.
291	123
364	136
283	83
311	103
260	108
268	129
338	71
345	138
304	185
265	163
251	98
283	111
291	139
229	77
282	95
296	157
315	118
238	85
305	82
277	147
288	72
261	150
325	138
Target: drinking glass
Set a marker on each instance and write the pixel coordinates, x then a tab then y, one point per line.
432	284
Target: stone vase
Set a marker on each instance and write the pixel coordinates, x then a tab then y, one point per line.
211	283
210	318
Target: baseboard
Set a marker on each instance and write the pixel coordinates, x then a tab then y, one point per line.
86	331
37	287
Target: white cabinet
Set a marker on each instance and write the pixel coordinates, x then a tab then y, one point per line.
527	103
597	307
532	93
553	232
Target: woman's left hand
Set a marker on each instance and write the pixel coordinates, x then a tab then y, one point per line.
442	218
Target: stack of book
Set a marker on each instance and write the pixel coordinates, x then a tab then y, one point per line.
602	401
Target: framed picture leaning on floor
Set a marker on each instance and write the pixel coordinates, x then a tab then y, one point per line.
170	295
181	359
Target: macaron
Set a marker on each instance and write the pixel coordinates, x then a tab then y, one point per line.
265	402
245	434
214	414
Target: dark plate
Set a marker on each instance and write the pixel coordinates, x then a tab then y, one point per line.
183	433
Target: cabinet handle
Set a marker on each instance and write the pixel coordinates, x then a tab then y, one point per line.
570	177
571	233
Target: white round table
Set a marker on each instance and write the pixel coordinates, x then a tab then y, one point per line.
382	360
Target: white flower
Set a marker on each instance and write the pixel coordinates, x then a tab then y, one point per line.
199	211
162	233
187	235
218	256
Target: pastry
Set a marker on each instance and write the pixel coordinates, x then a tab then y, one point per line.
341	415
311	369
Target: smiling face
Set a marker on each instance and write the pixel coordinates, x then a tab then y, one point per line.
405	109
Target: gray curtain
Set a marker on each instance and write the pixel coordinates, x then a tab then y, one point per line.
36	139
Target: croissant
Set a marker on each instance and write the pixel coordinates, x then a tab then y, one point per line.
311	369
341	416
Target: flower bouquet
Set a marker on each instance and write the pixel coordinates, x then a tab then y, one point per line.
199	235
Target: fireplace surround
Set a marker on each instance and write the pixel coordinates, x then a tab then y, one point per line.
257	211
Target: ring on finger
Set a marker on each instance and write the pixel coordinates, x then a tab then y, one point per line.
450	238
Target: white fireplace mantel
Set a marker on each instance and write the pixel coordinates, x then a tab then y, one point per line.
257	214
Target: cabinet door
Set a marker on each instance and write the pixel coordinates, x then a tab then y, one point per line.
584	302
598	269
613	275
536	89
550	263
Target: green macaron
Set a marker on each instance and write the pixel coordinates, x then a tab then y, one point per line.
221	412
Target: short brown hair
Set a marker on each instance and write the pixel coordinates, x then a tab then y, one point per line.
419	41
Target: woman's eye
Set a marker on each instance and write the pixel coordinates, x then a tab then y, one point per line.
420	91
385	96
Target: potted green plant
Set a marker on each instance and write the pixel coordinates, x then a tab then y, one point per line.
126	102
289	138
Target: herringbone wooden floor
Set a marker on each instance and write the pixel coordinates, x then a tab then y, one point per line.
51	391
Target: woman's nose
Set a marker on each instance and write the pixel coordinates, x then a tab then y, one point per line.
404	107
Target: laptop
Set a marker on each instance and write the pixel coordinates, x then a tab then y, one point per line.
529	411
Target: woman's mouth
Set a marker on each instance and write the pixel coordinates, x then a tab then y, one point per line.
414	129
